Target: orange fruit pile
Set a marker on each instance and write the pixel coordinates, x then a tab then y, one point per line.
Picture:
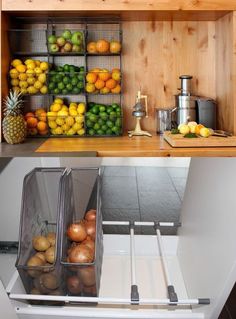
37	122
104	46
102	81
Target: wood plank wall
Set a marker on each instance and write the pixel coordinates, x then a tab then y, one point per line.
156	53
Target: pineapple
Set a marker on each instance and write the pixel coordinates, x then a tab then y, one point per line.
14	125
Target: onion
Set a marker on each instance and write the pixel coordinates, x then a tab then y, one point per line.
73	285
87	276
81	254
91	228
90	290
76	232
90	215
90	243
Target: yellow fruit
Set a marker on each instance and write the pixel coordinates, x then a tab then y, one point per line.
81	108
72	112
58	101
81	131
116	76
192	123
62	113
73	105
91	77
23	84
65	108
79	119
58	131
44	89
60	121
105	90
39	111
14	73
65	127
27	61
55	107
16	88
23	91
77	126
30	73
90	88
31	65
53	131
52	124
31	81
38	71
37	62
44	66
14	82
205	132
70	120
23	76
42	78
16	62
71	132
32	90
21	68
52	116
184	129
38	85
198	128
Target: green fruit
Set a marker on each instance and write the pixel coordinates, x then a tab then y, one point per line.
113	116
74	81
66	80
93	118
54	48
109	109
91	132
66	68
110	124
80	85
65	91
102	108
115	105
56	91
95	109
52	39
69	87
59	68
100	132
75	90
58	78
96	126
82	69
103	115
51	86
67	34
118	122
101	122
72	68
81	78
104	127
89	123
115	130
91	104
61	86
77	37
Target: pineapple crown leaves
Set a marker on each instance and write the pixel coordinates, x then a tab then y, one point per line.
13	103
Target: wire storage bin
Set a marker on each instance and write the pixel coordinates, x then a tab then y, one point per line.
39	239
82	194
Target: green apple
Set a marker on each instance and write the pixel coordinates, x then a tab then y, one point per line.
66	34
52	39
54	48
77	37
75	48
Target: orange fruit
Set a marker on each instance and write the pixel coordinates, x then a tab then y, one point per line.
91	77
104	75
102	46
31	122
91	47
116	89
95	70
90	88
32	131
198	128
115	70
39	111
42	117
99	84
45	132
111	84
42	126
115	47
116	76
29	114
105	90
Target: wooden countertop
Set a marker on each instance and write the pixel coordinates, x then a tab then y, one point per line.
129	147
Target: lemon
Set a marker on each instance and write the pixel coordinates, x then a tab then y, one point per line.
184	129
90	88
27	61
16	62
71	132
52	124
65	108
37	62
14	73
38	71
73	105
38	85
79	119
44	89
14	82
53	131
24	91
31	66
42	78
23	76
58	101
23	84
60	121
65	127
81	131
72	112
62	113
21	68
205	132
58	130
16	88
30	73
44	66
77	126
32	90
70	120
52	116
81	108
55	107
31	81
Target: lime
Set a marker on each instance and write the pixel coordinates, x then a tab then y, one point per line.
100	132
75	90
115	105
113	116
91	104
81	69
61	86
69	87
104	127
88	114
91	132
110	124
66	68
108	131
93	118
59	68
56	91
109	109
89	123
53	79
74	81
58	78
65	91
71	68
101	122
95	109
115	130
103	116
102	108
81	77
96	126
118	122
80	85
66	80
51	86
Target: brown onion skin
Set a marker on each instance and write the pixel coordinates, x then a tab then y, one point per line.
91	229
90	215
73	285
87	275
81	254
90	243
90	290
77	232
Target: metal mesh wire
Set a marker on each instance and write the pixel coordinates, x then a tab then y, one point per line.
26	41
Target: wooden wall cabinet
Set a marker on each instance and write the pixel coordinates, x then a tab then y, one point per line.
161	40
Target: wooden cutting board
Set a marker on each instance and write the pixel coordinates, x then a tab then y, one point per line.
178	140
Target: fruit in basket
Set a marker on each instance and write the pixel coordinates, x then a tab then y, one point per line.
90	228
104	75
91	77
91	47
68	47
103	81
66	34
16	62
115	47
76	232
116	90
102	46
81	254
90	243
111	84
99	84
40	243
54	48
116	75
52	39
90	215
61	41
50	255
14	125
77	37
